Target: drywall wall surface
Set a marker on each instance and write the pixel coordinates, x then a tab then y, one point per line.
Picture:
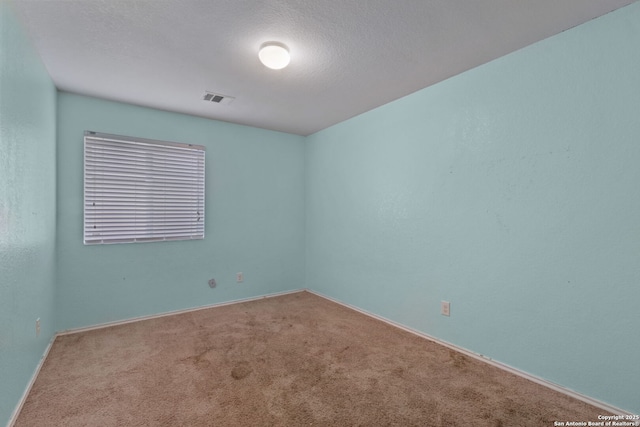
254	219
511	191
27	209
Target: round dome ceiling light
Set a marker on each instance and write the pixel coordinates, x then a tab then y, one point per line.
274	55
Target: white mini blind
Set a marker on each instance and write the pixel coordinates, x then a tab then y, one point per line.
140	190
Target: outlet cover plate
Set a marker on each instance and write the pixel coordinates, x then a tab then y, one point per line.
445	308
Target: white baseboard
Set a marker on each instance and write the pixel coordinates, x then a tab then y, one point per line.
594	402
27	390
172	313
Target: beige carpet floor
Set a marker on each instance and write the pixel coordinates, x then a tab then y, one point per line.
291	360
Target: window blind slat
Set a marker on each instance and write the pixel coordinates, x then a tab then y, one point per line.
142	190
135	158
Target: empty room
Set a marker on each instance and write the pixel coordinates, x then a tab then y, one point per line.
319	213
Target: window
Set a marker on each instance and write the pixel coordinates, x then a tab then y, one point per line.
139	190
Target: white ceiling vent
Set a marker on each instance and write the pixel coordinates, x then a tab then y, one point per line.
216	98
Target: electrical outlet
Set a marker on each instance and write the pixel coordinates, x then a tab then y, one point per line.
38	327
239	277
445	308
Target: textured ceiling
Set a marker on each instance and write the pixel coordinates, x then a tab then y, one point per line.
347	57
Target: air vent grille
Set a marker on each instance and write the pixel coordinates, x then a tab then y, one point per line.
216	98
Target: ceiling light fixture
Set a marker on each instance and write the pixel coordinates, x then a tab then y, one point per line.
274	55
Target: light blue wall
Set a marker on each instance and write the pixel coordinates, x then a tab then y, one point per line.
512	191
254	219
27	209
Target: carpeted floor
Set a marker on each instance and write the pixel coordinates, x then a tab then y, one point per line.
292	360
